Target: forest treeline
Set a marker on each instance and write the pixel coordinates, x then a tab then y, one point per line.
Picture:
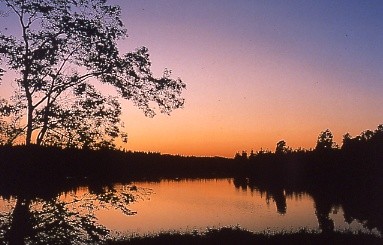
359	157
53	164
368	141
349	176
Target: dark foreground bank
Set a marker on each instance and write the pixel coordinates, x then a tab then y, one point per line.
240	236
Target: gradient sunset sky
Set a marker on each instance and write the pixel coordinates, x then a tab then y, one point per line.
257	72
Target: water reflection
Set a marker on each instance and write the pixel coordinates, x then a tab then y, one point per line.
275	194
197	204
64	214
51	216
360	204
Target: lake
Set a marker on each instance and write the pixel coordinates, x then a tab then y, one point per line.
143	207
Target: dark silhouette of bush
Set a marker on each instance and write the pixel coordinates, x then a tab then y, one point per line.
282	147
325	141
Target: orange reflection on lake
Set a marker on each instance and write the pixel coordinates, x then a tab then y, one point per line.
169	205
186	205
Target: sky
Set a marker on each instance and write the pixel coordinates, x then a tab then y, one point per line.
257	72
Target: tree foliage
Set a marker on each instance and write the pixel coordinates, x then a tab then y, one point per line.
62	50
366	140
282	147
325	141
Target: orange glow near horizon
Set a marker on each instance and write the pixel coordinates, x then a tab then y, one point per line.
252	81
256	73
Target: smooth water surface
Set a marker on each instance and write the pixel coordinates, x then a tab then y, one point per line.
185	205
84	213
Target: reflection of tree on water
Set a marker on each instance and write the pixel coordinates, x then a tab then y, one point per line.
323	208
277	194
279	197
68	220
51	221
360	204
19	226
349	177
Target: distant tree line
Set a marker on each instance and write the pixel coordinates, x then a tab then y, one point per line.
356	165
366	141
347	176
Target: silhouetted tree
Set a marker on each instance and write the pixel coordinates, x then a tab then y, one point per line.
237	156
325	141
378	135
62	49
367	135
347	139
379	129
282	147
252	155
242	156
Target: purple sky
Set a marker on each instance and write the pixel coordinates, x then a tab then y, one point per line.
257	72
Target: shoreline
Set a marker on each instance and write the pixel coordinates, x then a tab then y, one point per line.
237	235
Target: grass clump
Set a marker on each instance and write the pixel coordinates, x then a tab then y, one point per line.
237	235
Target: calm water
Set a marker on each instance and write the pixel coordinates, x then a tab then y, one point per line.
181	205
198	204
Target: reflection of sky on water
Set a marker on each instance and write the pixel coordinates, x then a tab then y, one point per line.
193	204
198	204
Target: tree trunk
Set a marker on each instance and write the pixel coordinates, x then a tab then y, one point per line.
28	139
25	83
44	128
